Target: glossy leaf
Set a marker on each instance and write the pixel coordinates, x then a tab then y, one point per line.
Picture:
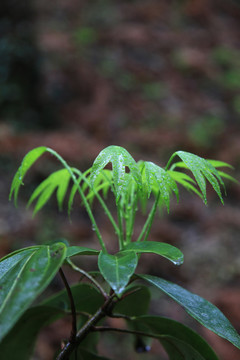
120	159
166	250
27	162
59	180
179	341
25	275
130	305
156	179
185	180
86	299
200	309
80	250
19	342
117	269
202	170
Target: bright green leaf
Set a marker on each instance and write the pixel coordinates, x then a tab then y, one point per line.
120	159
180	342
200	309
202	170
58	180
117	269
27	162
166	250
156	179
25	275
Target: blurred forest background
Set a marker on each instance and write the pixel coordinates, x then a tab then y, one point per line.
153	76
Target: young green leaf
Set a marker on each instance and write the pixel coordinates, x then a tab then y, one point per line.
156	179
27	162
179	341
200	309
185	180
24	275
117	269
120	159
202	170
58	180
166	250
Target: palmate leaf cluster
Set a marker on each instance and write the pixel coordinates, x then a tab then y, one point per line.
25	273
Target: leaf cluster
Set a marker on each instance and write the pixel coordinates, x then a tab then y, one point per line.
25	273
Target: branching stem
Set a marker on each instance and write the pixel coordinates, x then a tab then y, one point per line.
81	271
87	327
148	224
73	309
86	204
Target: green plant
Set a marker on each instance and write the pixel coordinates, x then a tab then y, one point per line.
26	272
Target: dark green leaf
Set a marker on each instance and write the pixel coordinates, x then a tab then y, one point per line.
117	269
130	305
86	299
120	159
180	342
83	354
168	251
27	162
200	309
25	275
19	343
80	250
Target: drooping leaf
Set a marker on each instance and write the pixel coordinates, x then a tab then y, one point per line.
19	342
25	275
120	159
87	299
117	269
156	179
166	250
202	170
217	164
58	180
185	180
80	250
28	160
200	309
179	341
130	305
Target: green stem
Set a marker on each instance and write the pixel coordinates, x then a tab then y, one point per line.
88	209
120	225
102	202
148	224
131	213
81	271
170	160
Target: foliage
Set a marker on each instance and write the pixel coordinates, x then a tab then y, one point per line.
26	272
